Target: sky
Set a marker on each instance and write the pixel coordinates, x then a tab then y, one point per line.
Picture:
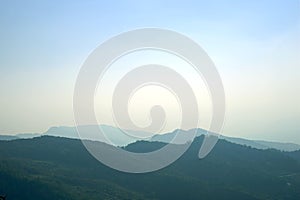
255	46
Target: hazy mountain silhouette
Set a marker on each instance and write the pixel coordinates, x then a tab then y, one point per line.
8	137
120	138
258	144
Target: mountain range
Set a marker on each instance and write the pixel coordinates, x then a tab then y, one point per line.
60	168
118	137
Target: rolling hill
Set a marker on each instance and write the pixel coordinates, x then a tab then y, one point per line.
61	168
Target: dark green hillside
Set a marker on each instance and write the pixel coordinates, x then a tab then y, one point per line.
59	168
295	155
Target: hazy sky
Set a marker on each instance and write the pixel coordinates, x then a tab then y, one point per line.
254	44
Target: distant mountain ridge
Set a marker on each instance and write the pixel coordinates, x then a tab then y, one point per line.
258	144
118	138
8	137
19	136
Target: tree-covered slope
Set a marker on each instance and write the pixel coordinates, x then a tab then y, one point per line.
60	168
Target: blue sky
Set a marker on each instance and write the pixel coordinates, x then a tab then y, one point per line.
254	44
